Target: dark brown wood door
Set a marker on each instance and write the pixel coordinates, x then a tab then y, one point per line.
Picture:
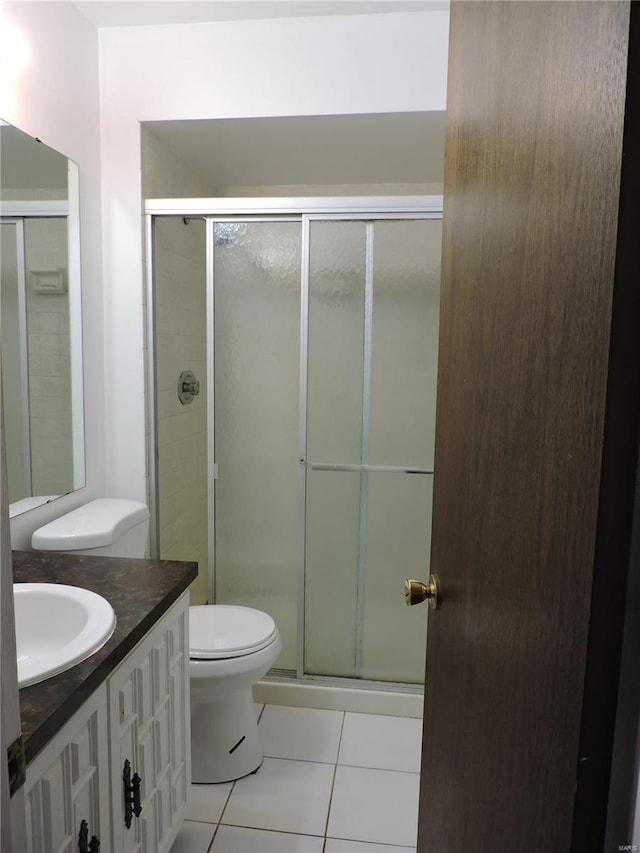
532	182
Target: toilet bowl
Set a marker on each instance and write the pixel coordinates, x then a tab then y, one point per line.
231	648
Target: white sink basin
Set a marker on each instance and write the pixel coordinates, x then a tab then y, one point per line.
57	626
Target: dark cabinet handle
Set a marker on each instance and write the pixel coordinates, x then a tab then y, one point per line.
132	805
84	845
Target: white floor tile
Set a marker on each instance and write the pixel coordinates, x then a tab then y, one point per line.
206	802
237	839
386	743
339	845
306	734
193	838
258	708
290	796
374	805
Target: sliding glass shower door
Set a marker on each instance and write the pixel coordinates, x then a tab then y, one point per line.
256	308
373	294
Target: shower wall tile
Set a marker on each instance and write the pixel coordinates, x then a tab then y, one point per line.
182	429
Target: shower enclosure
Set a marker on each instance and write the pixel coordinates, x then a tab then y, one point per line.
300	473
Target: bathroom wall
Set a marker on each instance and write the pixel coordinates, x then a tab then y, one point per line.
49	88
277	67
312	190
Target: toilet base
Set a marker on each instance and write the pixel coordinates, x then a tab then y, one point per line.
225	744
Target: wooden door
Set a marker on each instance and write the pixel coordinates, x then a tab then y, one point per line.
533	428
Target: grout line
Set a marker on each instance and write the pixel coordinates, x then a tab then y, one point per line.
303	760
213	838
226	803
333	782
380	844
270	829
382	769
344	719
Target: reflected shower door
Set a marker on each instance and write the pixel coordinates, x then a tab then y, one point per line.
256	381
371	391
15	371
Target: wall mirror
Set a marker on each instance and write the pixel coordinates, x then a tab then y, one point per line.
40	321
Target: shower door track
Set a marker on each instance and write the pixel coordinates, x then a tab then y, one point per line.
384	469
291	677
304	210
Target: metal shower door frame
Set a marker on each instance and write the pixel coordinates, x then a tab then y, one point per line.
306	211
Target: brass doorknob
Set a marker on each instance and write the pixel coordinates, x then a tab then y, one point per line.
415	592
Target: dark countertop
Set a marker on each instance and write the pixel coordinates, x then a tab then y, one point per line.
140	592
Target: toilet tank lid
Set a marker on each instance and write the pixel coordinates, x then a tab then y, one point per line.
98	523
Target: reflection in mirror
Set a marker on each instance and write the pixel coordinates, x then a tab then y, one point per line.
40	321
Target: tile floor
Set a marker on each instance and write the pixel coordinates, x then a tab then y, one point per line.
331	782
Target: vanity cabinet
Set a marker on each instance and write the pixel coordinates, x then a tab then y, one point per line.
139	718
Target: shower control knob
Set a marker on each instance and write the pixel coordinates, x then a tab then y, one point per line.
415	592
188	387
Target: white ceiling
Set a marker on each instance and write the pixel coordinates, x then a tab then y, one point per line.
130	13
345	149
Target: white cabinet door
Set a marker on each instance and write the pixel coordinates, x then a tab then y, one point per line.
123	729
149	715
68	784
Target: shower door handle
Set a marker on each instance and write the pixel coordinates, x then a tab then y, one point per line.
415	592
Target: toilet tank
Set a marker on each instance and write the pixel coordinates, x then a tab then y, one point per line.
107	527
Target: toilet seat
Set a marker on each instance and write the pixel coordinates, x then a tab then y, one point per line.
221	631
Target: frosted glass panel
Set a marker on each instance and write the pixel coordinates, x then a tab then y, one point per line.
406	304
372	371
336	335
257	344
181	344
332	546
398	545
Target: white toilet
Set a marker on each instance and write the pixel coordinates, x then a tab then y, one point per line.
231	648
